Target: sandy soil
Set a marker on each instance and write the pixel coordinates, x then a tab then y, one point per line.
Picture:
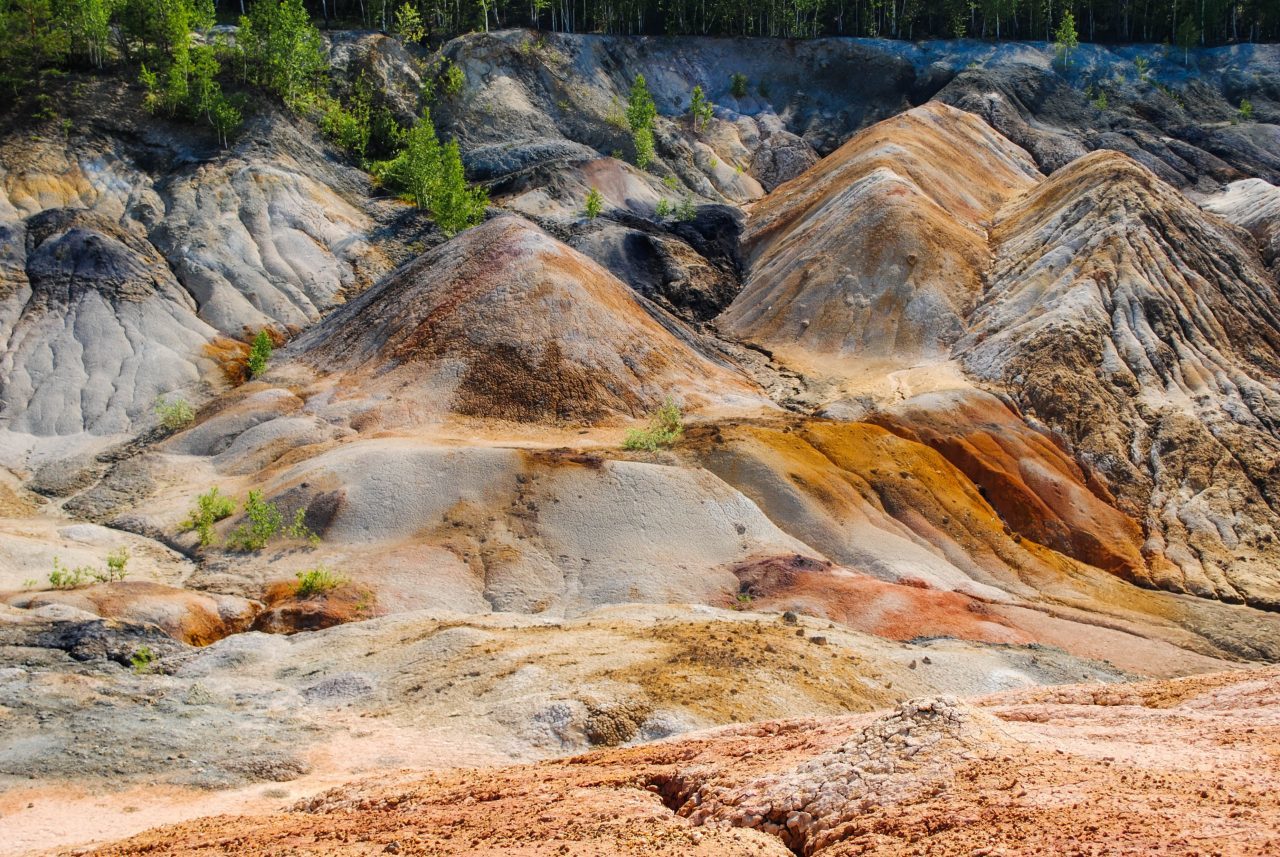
1186	767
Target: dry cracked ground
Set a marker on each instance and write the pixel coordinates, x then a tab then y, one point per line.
970	545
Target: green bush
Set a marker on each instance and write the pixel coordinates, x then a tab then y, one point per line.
318	581
299	529
117	566
144	660
453	80
663	209
210	508
174	413
283	51
260	353
642	140
350	125
263	522
666	426
1246	110
686	210
409	25
738	85
594	204
69	578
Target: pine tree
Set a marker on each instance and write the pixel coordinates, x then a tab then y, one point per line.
641	111
456	205
432	177
700	109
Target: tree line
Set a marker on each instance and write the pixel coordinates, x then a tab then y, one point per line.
1202	22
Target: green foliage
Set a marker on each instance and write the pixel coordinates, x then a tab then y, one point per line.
355	125
263	522
210	508
1065	39
431	176
174	412
117	566
318	581
298	529
144	660
409	25
63	577
452	80
594	204
1143	67
666	426
1246	110
641	111
181	78
260	353
282	50
671	182
663	209
1100	101
686	210
283	54
700	109
642	140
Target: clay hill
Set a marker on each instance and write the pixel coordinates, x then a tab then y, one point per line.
506	322
879	251
888	467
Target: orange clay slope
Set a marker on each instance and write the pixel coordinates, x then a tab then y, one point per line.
877	250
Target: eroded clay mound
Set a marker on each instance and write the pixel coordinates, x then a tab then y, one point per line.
120	264
506	322
94	325
1254	205
878	250
1149	335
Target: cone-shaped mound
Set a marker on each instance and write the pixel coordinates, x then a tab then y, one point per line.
506	322
877	250
1149	334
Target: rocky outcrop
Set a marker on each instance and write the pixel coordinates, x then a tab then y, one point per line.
194	618
1253	205
128	256
95	326
1148	334
878	250
506	322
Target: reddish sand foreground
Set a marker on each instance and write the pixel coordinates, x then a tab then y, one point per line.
1179	767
